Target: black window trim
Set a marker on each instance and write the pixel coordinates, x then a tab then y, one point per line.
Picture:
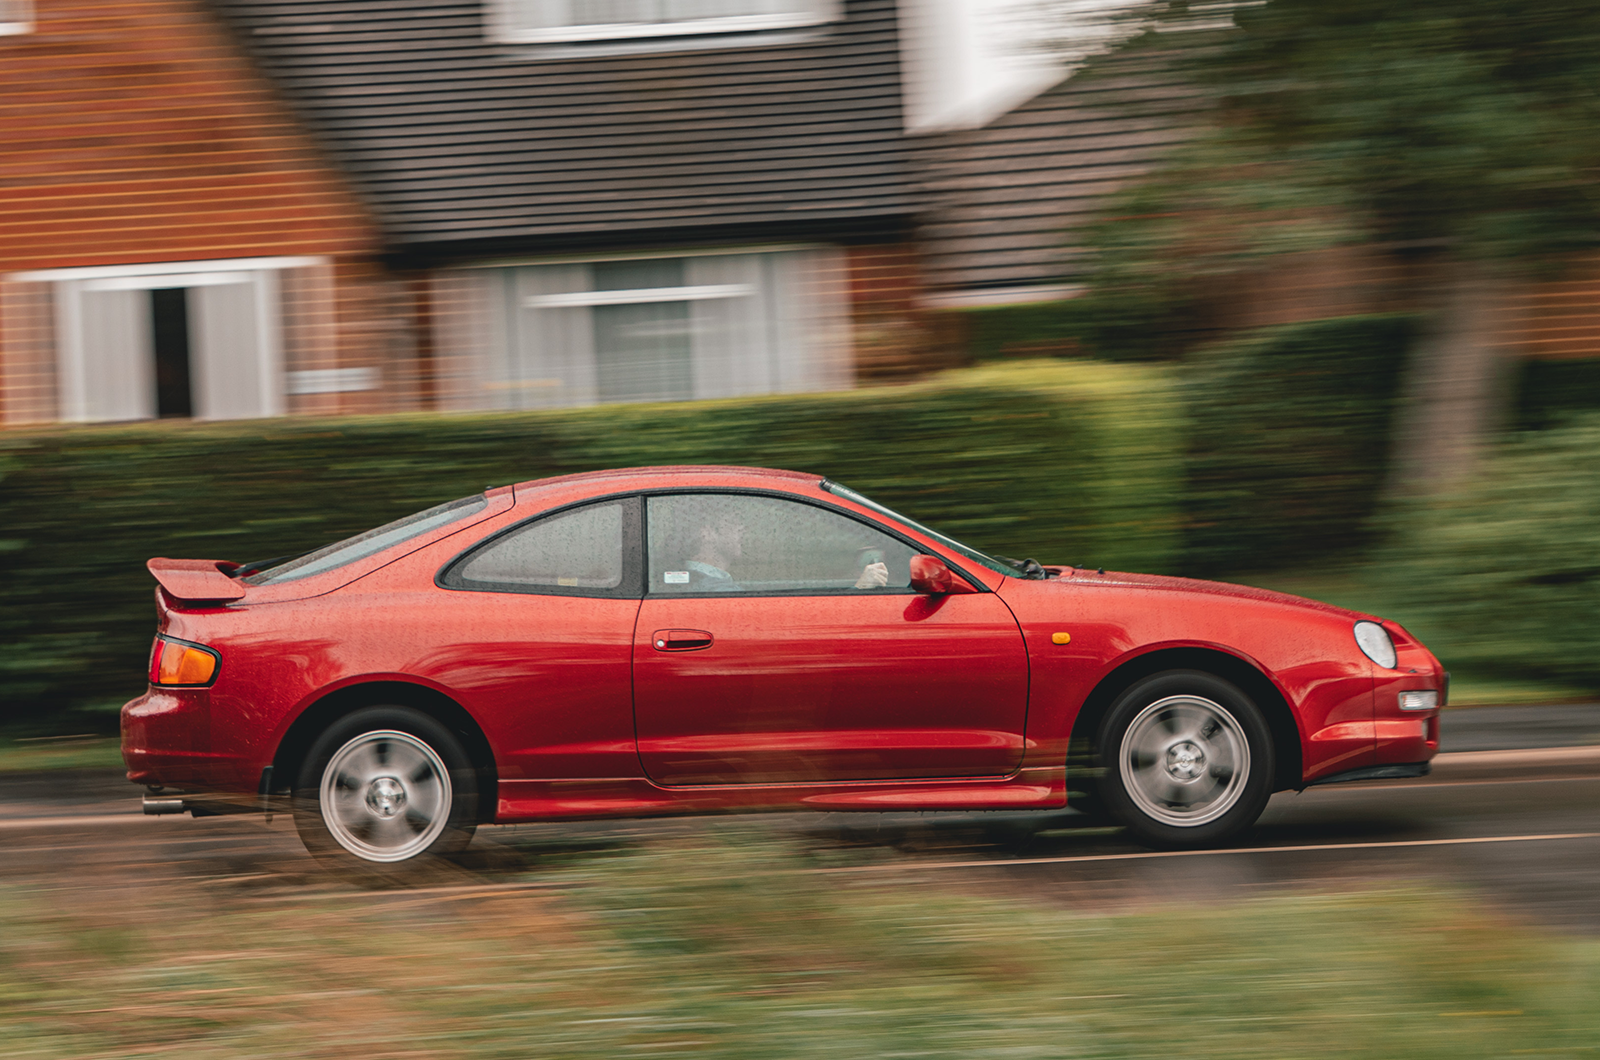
635	545
630	588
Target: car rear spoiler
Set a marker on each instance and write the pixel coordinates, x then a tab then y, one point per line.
194	580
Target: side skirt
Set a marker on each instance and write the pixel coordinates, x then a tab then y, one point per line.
542	800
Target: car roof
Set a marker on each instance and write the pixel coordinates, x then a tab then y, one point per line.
688	474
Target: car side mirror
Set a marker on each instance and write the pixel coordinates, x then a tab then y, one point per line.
929	575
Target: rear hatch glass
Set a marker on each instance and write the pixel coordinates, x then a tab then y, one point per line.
340	553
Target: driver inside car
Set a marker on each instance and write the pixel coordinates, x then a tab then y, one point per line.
718	546
874	571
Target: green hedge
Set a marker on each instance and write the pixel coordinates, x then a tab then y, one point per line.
990	333
1063	461
1290	442
1551	392
1503	576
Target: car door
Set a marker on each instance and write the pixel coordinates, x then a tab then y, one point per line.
765	653
540	634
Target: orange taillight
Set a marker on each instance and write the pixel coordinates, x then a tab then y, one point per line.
176	663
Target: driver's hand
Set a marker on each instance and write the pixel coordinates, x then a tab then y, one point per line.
873	576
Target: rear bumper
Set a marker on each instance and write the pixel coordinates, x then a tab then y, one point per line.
166	743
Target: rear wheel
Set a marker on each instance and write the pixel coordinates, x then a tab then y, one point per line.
1187	760
385	791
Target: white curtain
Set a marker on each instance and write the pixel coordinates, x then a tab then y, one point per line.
235	354
549	355
759	323
108	362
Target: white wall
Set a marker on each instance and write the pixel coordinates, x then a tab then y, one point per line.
966	62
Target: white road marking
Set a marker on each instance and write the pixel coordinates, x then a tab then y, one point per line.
1527	756
85	820
903	866
461	891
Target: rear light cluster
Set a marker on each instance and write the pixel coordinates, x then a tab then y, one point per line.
177	662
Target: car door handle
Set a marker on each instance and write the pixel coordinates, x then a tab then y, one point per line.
680	639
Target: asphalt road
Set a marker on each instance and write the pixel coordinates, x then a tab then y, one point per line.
1515	728
1522	831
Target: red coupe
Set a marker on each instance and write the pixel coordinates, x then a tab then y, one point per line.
692	639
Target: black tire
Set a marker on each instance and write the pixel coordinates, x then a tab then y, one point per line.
1186	760
384	793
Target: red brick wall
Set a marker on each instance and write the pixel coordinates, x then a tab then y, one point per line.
1315	285
1559	319
136	131
884	278
27	361
892	336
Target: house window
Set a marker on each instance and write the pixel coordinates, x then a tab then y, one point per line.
643	329
201	338
16	17
566	21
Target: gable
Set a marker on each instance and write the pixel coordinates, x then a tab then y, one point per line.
135	131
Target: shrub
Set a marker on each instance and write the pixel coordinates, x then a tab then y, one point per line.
1548	392
1504	575
1073	462
1290	442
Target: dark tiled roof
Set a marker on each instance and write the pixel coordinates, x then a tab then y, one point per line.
464	147
1004	203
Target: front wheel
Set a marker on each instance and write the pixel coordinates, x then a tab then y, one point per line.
1187	760
384	791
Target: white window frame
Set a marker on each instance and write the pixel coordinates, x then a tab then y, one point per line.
806	13
70	284
16	17
642	296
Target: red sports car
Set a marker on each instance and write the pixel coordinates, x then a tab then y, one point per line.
691	639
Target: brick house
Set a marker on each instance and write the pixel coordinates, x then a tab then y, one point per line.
250	207
171	241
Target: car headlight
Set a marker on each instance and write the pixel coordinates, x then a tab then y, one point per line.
1374	642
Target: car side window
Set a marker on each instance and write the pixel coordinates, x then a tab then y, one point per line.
583	551
743	543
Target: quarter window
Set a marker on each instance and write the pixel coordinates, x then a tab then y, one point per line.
740	543
351	549
578	552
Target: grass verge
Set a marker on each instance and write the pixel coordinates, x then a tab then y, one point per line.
21	754
723	944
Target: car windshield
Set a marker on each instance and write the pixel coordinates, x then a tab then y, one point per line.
370	543
999	566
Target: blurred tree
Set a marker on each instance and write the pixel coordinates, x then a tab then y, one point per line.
1458	135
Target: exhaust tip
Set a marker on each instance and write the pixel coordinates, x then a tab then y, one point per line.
159	804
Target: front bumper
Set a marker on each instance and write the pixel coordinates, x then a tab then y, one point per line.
1401	771
1400	735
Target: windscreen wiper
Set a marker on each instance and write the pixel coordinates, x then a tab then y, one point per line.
1027	568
